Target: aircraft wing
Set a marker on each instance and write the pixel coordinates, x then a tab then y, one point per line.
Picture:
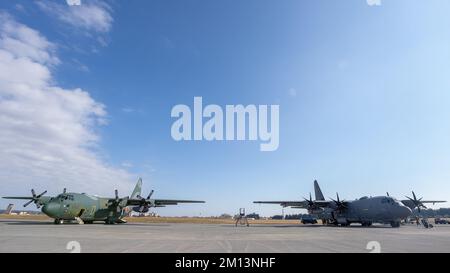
297	204
163	202
160	202
432	202
302	204
410	203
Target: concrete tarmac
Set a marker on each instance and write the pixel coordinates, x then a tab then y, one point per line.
44	236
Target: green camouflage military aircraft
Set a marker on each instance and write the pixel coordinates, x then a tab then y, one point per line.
86	208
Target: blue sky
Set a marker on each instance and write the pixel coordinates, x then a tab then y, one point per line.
363	93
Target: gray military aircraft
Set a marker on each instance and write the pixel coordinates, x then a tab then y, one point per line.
86	208
365	210
414	203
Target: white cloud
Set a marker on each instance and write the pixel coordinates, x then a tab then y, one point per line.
47	133
90	16
73	2
19	7
24	42
373	2
80	66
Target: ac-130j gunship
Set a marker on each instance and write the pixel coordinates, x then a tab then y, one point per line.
365	210
85	208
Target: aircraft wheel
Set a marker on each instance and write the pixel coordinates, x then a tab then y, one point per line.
395	224
58	221
109	222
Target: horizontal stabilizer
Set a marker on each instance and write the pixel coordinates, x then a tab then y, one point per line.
19	197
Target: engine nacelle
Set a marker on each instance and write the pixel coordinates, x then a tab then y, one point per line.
140	209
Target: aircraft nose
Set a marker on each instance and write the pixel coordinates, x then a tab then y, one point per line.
51	209
405	211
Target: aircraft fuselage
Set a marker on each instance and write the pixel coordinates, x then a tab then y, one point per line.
368	210
69	206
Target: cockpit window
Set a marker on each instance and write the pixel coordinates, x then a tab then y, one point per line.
63	197
388	200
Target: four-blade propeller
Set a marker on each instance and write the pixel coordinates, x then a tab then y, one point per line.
145	202
116	202
35	198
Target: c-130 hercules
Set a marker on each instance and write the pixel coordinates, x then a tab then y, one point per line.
365	210
86	208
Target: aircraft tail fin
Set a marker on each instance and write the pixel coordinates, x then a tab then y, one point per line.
137	189
318	191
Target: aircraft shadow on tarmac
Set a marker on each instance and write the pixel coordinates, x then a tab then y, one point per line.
45	223
42	223
27	223
317	226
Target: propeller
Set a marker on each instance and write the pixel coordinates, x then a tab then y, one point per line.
35	198
340	205
116	200
417	202
145	202
311	203
150	194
